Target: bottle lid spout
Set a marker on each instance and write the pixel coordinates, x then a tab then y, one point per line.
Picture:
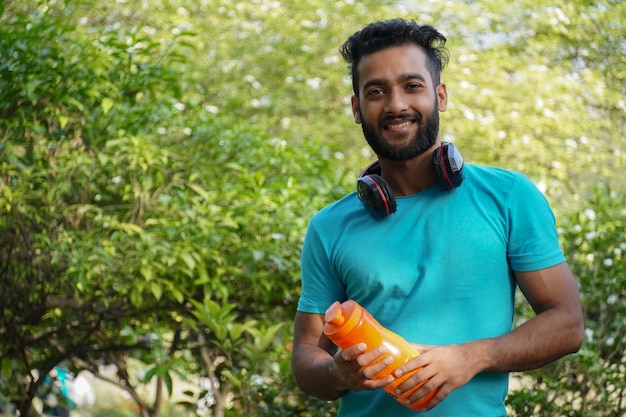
341	319
334	315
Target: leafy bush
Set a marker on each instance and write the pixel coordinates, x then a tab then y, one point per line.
122	202
159	162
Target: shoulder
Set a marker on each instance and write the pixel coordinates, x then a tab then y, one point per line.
495	178
346	208
500	189
491	173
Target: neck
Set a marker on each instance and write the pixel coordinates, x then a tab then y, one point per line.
412	176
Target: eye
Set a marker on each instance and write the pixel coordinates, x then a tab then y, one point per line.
414	86
375	92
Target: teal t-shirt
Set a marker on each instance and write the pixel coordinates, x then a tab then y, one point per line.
438	271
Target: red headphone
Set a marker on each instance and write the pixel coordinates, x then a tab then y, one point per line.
376	195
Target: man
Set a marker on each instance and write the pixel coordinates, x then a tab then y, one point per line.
442	270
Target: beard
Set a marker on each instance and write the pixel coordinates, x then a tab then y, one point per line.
424	139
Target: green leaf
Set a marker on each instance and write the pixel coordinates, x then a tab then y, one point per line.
200	191
106	105
146	272
63	121
188	259
7	368
130	228
168	383
232	378
150	374
156	289
177	294
263	342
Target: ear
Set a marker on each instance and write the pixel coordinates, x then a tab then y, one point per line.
442	96
355	109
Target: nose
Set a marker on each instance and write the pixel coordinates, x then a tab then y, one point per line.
396	103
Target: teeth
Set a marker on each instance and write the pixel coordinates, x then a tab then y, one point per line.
399	125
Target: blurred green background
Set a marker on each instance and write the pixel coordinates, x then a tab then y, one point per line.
160	159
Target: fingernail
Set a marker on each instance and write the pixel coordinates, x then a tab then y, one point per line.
398	373
388	360
382	349
362	346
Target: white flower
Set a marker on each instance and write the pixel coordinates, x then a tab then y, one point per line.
314	83
211	109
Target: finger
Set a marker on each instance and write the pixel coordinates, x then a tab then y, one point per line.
373	355
426	391
412	388
416	364
429	400
352	352
372	384
379	369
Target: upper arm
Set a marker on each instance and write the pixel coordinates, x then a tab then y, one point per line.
311	349
549	288
309	330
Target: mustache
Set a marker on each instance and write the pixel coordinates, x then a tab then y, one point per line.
416	117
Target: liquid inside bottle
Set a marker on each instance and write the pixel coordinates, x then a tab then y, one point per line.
348	324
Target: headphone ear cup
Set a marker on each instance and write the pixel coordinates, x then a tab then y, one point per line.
376	195
448	164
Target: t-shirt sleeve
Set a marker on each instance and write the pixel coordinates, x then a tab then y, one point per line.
320	284
533	238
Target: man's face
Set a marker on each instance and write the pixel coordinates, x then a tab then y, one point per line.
398	106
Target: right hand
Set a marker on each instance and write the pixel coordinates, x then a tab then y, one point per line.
351	368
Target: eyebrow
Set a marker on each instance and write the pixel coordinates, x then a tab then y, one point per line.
402	77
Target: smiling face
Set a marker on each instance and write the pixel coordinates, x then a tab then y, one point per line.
398	105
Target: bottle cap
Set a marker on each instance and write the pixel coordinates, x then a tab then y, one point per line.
341	318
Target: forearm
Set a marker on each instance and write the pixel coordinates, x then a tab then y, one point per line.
536	343
315	372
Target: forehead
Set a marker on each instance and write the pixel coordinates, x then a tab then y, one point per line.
389	63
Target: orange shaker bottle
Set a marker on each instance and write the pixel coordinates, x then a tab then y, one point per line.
348	324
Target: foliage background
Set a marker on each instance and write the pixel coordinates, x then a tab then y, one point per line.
159	162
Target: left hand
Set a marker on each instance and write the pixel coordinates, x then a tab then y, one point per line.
445	367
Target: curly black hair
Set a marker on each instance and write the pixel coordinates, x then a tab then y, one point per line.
384	34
